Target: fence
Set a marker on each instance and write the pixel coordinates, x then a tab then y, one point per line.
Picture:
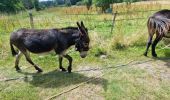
94	22
112	18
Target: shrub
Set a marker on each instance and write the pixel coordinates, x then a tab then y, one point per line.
137	39
118	42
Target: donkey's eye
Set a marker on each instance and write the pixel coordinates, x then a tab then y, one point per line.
85	44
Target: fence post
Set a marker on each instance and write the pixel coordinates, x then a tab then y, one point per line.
113	21
31	19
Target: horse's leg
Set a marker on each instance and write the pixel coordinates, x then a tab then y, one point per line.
30	61
148	45
155	42
60	63
18	56
70	62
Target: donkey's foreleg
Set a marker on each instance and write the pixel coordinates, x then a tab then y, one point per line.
70	62
18	56
31	62
148	45
60	63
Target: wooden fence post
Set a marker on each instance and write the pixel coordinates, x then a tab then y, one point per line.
31	20
113	21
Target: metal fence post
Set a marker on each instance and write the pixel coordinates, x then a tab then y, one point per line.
31	20
113	21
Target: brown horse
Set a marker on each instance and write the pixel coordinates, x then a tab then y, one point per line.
44	40
159	24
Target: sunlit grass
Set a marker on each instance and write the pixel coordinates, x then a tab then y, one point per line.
125	44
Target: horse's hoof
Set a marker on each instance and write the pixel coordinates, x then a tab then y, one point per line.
145	54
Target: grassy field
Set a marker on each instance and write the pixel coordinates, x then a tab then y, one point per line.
115	64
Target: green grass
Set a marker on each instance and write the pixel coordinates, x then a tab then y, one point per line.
125	44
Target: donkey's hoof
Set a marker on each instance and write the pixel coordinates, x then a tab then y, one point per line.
154	55
69	71
18	70
63	69
40	71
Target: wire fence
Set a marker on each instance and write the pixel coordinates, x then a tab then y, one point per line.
110	14
95	22
93	19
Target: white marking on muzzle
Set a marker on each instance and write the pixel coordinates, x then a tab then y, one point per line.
83	54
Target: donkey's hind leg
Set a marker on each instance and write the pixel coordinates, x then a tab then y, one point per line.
31	62
148	45
18	56
70	62
155	42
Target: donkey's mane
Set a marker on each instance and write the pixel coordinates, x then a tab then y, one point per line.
66	28
69	28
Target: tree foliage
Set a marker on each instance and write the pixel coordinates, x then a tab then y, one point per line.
11	5
36	4
105	4
88	3
28	4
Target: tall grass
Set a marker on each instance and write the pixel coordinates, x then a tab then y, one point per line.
121	46
126	33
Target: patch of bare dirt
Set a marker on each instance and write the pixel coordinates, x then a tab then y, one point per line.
89	91
86	92
158	69
2	77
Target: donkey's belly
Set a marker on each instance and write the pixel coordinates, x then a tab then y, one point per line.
39	46
40	49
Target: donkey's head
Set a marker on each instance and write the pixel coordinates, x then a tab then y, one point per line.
82	43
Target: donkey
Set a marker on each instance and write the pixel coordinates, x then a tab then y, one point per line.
159	24
45	40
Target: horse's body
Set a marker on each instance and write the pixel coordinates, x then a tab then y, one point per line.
45	40
159	24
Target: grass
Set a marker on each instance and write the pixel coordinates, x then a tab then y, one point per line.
125	44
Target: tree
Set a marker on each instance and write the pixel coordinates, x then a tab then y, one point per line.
88	3
73	2
36	5
11	6
28	4
105	4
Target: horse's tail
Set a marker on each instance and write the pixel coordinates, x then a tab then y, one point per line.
158	24
12	49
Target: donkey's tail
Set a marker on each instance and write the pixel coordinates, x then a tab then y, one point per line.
13	50
158	24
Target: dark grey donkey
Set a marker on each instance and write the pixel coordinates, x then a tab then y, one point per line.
44	40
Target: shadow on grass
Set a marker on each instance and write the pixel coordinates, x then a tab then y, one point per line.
167	54
166	58
57	79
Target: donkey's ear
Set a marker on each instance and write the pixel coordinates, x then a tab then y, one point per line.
79	28
78	25
84	28
82	24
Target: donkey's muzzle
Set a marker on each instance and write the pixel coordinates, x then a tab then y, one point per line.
83	54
